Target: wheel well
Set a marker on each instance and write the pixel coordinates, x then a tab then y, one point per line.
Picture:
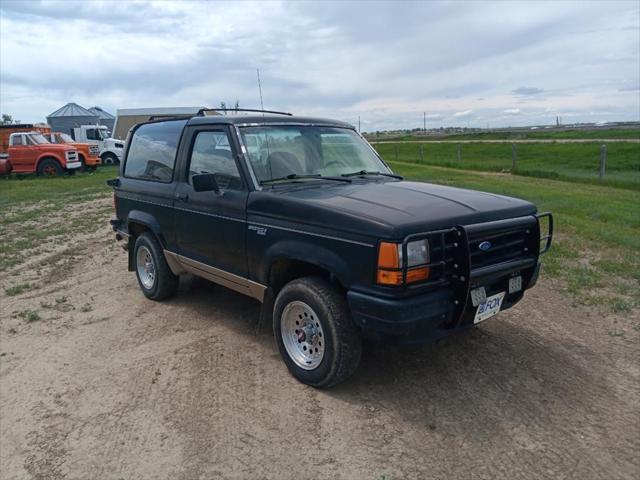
284	270
48	157
135	230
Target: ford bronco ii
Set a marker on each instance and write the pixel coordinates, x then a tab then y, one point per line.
304	216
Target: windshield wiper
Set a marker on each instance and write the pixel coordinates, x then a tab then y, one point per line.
295	176
368	172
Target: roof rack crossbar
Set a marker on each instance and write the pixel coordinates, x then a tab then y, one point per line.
202	110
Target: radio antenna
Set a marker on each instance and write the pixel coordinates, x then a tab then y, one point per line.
264	131
260	89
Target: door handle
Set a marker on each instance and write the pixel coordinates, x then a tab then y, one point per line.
182	196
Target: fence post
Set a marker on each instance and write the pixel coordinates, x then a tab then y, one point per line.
459	152
421	153
396	153
514	156
603	161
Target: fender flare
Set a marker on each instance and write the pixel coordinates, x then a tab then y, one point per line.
147	220
306	252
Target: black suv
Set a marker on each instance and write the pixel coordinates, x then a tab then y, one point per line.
303	215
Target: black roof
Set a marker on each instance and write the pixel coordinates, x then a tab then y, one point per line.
267	119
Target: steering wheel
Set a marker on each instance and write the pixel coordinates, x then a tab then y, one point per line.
337	162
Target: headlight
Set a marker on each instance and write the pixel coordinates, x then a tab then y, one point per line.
417	253
119	145
391	262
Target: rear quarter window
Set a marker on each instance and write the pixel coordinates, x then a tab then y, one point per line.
152	151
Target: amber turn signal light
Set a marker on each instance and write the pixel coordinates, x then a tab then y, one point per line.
390	268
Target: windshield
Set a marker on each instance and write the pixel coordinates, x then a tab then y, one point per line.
38	138
280	151
64	138
103	133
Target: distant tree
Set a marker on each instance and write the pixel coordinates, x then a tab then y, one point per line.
231	110
6	119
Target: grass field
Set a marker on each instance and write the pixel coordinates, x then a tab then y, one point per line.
613	133
573	162
595	253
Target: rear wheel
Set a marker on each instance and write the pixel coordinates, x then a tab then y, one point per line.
155	278
316	337
49	167
109	159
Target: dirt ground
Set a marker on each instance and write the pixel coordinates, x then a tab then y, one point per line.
106	384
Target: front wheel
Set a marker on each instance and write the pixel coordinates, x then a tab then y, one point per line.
155	278
109	159
49	168
317	340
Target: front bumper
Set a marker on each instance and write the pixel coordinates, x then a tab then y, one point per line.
74	165
429	316
93	161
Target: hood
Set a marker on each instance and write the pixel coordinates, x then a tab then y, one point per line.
112	142
56	147
387	209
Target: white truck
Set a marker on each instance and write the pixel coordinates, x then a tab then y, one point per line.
110	149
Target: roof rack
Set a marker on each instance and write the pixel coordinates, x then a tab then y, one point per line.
203	110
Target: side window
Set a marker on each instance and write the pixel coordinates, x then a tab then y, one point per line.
92	134
152	151
17	140
211	153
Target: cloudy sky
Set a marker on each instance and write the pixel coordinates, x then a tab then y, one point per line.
463	63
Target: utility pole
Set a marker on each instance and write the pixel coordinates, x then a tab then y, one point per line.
424	122
358	123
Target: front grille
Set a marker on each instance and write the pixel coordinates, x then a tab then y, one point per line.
93	149
71	156
505	244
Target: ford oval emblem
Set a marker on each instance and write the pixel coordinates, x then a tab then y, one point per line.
484	246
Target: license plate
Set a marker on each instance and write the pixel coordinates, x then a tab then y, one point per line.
489	308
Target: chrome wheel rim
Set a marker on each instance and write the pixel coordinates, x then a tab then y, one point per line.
146	268
302	335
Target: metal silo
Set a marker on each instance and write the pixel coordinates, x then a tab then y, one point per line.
72	115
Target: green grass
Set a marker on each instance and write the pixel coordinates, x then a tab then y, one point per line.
28	202
29	315
539	134
17	289
597	237
573	162
15	189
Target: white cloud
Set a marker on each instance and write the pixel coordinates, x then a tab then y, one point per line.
472	64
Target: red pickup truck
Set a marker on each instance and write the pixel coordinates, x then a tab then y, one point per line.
31	152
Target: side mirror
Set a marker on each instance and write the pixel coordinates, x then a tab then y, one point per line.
205	182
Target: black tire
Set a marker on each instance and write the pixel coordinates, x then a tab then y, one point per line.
83	164
49	167
343	343
109	159
165	283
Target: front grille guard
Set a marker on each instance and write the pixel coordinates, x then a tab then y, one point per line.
549	235
451	264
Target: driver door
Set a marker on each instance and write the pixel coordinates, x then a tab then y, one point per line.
211	226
